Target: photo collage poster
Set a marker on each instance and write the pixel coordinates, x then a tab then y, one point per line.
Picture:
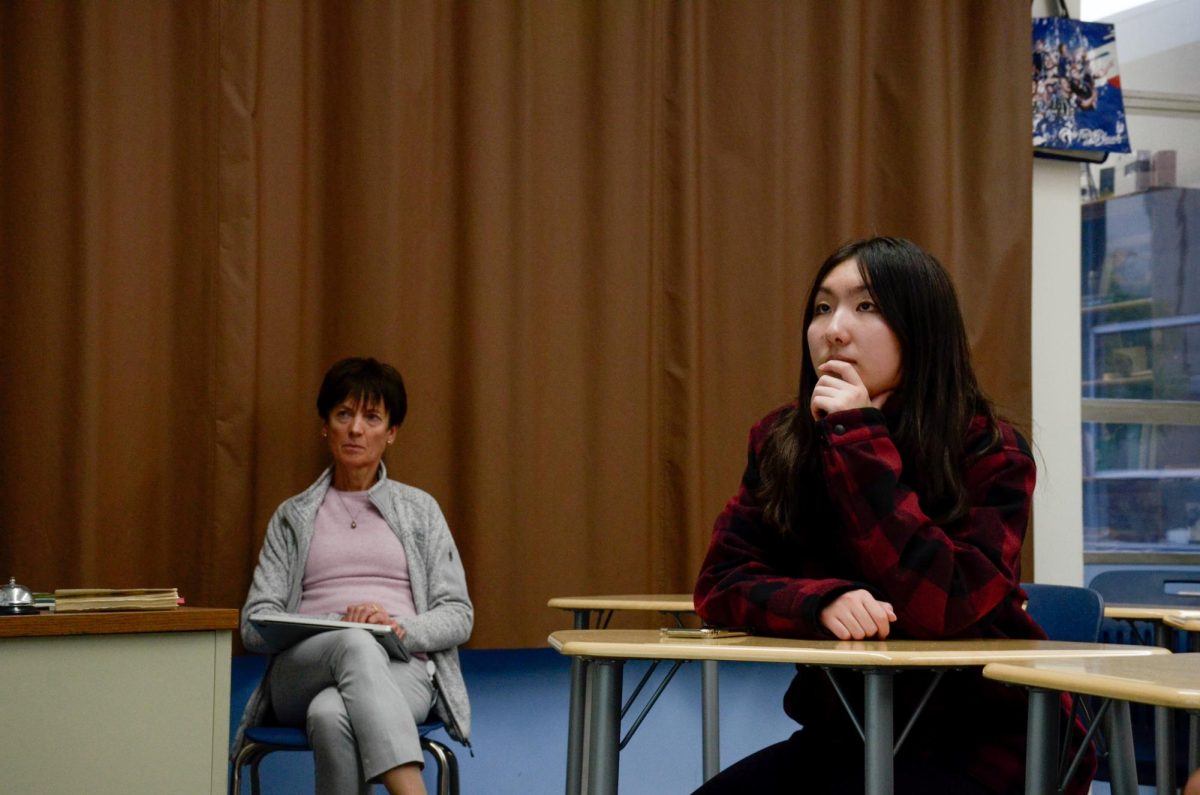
1077	104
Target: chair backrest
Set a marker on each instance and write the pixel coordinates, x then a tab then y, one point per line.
1066	612
1171	587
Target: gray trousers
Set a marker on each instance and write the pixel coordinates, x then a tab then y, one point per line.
360	707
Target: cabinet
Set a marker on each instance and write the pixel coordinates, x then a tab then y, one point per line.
117	702
1141	372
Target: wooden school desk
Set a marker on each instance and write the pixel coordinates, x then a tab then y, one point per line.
1166	680
1185	621
116	702
1158	615
1189	621
1165	619
603	607
607	651
677	604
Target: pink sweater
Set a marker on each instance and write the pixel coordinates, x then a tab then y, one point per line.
352	565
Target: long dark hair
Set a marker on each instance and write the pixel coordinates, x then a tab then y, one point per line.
938	395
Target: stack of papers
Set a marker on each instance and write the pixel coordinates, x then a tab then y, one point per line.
72	600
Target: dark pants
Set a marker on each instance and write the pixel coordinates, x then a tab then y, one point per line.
802	765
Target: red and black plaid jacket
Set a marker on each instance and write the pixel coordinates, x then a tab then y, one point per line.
865	528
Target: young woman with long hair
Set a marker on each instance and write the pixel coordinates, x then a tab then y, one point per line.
887	501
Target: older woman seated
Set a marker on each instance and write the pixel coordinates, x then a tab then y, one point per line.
360	547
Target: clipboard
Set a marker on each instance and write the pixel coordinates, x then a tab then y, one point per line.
284	630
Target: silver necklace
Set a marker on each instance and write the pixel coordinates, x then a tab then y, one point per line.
354	517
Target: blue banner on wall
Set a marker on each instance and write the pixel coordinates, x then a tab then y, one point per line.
1077	105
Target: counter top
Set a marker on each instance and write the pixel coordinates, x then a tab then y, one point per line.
181	619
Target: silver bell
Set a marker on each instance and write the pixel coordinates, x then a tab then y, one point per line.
16	600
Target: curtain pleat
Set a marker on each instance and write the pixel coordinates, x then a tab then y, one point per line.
582	231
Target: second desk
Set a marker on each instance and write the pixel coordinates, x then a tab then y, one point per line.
1165	620
602	607
1167	680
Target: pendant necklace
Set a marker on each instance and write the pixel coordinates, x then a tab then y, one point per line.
354	517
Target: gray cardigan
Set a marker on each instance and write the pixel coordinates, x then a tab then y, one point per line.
439	588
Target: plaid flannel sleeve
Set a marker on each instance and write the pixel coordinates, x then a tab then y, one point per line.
942	581
743	580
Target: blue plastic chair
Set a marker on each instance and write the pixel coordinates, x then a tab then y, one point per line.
1066	612
1172	587
264	740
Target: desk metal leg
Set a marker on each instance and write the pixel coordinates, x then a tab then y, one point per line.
710	700
878	733
1164	751
1164	730
1193	741
575	716
605	727
1041	763
579	673
1121	764
1194	721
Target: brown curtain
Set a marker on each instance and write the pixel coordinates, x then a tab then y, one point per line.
582	231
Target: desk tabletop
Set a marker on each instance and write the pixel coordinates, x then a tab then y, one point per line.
1149	612
650	644
1167	680
181	619
666	603
1188	623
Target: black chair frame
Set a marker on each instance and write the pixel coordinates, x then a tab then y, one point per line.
254	751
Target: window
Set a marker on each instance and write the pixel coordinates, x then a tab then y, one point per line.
1140	319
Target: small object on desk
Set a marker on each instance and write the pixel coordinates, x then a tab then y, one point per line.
16	600
703	633
75	600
